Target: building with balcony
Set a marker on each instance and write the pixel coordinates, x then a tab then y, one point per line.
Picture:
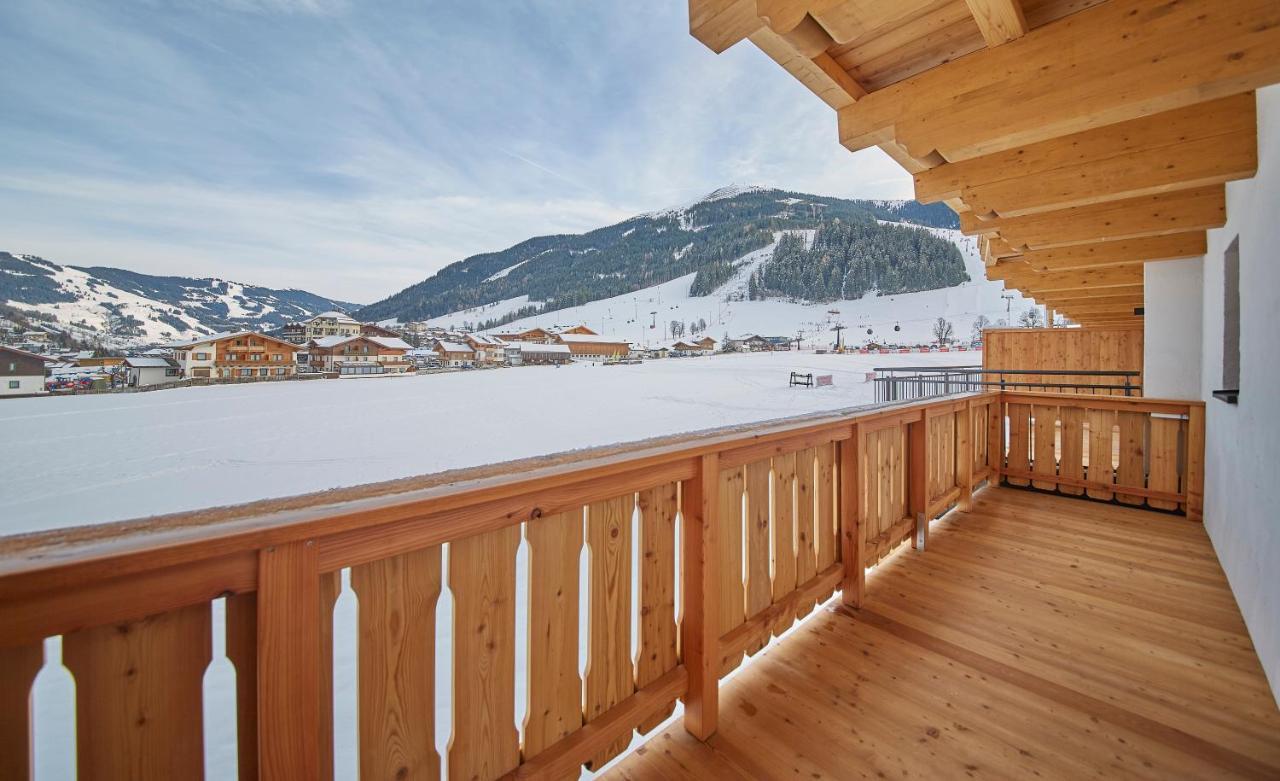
241	355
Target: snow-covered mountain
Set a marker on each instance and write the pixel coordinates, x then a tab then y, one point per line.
122	307
645	316
560	271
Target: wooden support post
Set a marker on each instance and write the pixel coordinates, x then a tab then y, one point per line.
700	636
964	455
1195	463
918	480
18	668
289	661
855	574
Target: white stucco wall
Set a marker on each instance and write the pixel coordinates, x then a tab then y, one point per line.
26	384
1173	332
1242	459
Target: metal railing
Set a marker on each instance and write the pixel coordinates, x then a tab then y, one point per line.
907	383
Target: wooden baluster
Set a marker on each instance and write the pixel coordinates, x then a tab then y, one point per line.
555	688
1071	459
699	590
657	654
1019	442
917	481
397	662
139	693
18	668
1101	422
242	650
1044	445
1165	433
1194	477
759	589
995	438
828	535
610	677
482	577
854	586
965	446
729	547
1132	462
289	662
806	521
784	534
329	586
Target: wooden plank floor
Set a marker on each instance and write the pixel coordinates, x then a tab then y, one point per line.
1038	636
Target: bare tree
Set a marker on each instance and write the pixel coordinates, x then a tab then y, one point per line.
1030	318
981	324
943	330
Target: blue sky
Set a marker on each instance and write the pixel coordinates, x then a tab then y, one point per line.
352	147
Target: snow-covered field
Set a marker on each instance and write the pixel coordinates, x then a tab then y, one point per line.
88	459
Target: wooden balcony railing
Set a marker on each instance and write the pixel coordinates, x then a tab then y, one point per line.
757	526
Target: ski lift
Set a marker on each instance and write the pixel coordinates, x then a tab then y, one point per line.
897	327
868	332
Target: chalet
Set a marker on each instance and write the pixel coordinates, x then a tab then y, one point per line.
750	343
536	353
488	349
356	356
331	324
536	335
704	346
594	348
21	372
455	354
235	356
150	370
373	329
580	329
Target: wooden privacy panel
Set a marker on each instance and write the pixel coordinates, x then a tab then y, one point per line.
483	581
785	561
729	540
1099	458
828	534
1165	437
1083	349
610	678
397	620
18	668
940	441
555	688
883	492
658	653
1131	447
1044	431
979	416
806	518
759	589
139	687
1018	457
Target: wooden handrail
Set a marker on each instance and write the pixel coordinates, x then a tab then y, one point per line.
826	496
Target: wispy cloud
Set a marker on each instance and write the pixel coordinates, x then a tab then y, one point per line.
353	148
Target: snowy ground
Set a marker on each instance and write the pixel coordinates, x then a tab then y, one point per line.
88	459
91	459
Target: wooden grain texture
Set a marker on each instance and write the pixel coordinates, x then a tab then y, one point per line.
853	584
759	587
963	457
917	482
1044	444
828	530
1163	453
1100	455
1040	637
329	586
657	642
729	546
784	529
699	620
1080	349
1131	468
397	626
242	651
806	519
483	582
1071	455
1195	463
1018	457
555	687
139	688
610	678
18	667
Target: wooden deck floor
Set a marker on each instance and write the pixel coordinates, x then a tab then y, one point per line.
1037	637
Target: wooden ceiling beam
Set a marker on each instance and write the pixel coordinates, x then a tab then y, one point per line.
1067	301
1113	253
1150	215
1054	81
1020	274
719	24
1209	143
1000	21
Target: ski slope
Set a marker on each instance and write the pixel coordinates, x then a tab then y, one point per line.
644	317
